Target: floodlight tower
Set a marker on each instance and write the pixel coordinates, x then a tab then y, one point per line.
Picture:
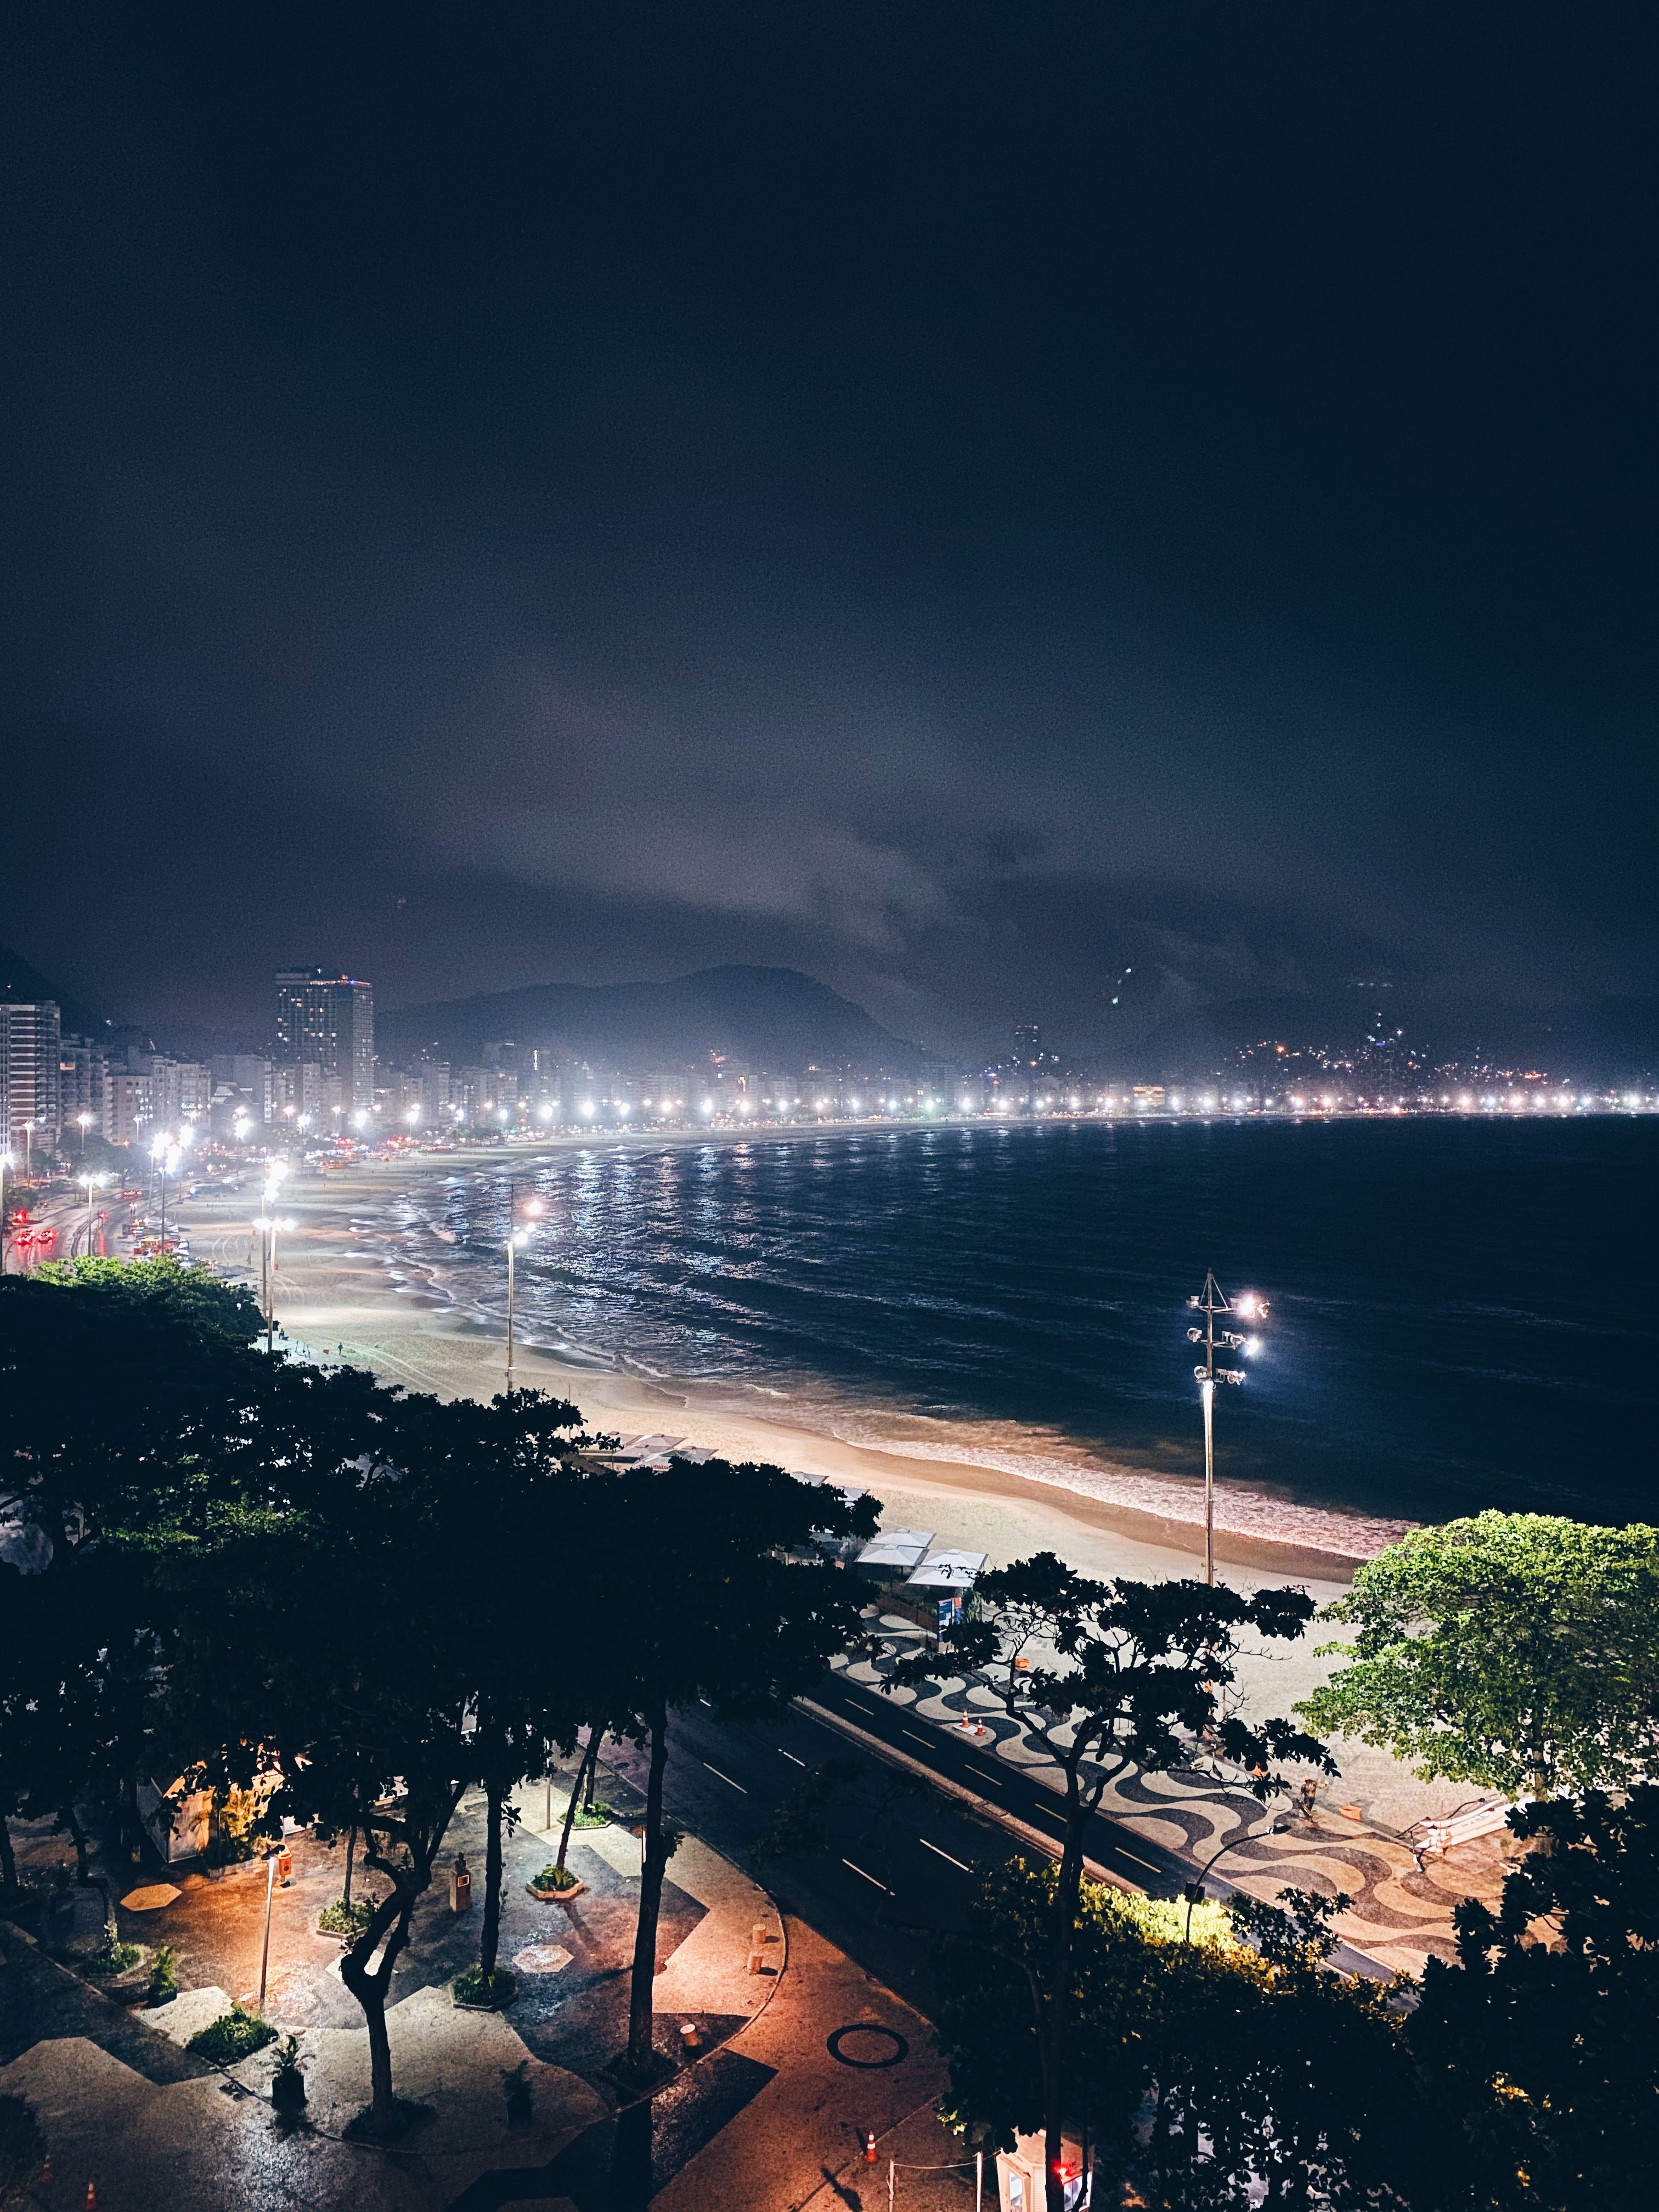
1212	1302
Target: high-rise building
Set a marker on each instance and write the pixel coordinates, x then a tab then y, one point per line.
327	1021
30	1052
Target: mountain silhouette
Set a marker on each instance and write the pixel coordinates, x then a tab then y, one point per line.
769	1017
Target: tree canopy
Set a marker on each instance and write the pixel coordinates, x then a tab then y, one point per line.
1539	2050
1513	1650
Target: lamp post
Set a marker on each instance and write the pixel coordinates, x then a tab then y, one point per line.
265	1955
90	1182
516	1238
85	1123
1193	1891
267	1224
1212	1302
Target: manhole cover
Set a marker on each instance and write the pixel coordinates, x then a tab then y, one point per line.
541	1959
867	2043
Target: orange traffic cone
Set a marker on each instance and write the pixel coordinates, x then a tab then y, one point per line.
45	2170
92	2196
869	2147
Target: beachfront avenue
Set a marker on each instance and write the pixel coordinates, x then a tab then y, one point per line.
299	1764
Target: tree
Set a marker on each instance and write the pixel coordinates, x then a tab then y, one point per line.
128	1400
1513	1650
1217	2071
703	1601
495	1483
320	1664
1539	2048
1140	1674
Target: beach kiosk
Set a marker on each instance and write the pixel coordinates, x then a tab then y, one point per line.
942	1579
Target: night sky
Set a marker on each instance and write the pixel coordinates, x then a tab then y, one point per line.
958	499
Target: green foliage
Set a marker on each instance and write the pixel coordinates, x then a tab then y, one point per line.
186	1296
553	1876
289	2064
597	1816
112	1956
1513	1650
343	1919
235	2035
163	1975
1251	2069
1538	2049
22	2146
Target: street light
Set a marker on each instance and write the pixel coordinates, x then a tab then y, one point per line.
85	1122
1193	1891
91	1183
1212	1304
271	1856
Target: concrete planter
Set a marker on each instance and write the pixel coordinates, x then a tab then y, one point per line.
556	1896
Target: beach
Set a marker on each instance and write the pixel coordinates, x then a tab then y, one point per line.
346	1291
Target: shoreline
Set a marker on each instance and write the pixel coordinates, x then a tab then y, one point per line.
426	1342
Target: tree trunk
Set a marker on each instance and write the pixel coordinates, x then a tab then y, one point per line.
371	1990
78	1837
489	1936
1058	2003
642	1997
590	1759
8	1862
593	1768
381	2103
351	1845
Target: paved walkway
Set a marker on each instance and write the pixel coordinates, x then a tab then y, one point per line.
124	2105
1401	1913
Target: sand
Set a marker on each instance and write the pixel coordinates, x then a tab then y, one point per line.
333	1297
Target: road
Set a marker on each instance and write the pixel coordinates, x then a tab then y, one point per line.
897	1866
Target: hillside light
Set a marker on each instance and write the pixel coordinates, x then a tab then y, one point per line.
1212	1302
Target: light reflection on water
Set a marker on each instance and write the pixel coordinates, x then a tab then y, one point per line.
1452	1322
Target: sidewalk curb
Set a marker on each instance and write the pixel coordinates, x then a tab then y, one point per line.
944	1784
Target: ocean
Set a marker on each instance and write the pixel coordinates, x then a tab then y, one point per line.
1461	1311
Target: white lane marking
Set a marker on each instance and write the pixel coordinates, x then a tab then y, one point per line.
704	1701
939	1854
790	1756
870	1878
1136	1857
914	1738
726	1779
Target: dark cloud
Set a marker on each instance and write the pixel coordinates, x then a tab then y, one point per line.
960	499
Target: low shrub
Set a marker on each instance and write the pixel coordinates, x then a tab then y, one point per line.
113	1957
601	1815
163	1975
470	1989
343	1919
555	1877
235	2034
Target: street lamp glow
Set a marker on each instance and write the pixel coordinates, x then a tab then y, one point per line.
1213	1302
